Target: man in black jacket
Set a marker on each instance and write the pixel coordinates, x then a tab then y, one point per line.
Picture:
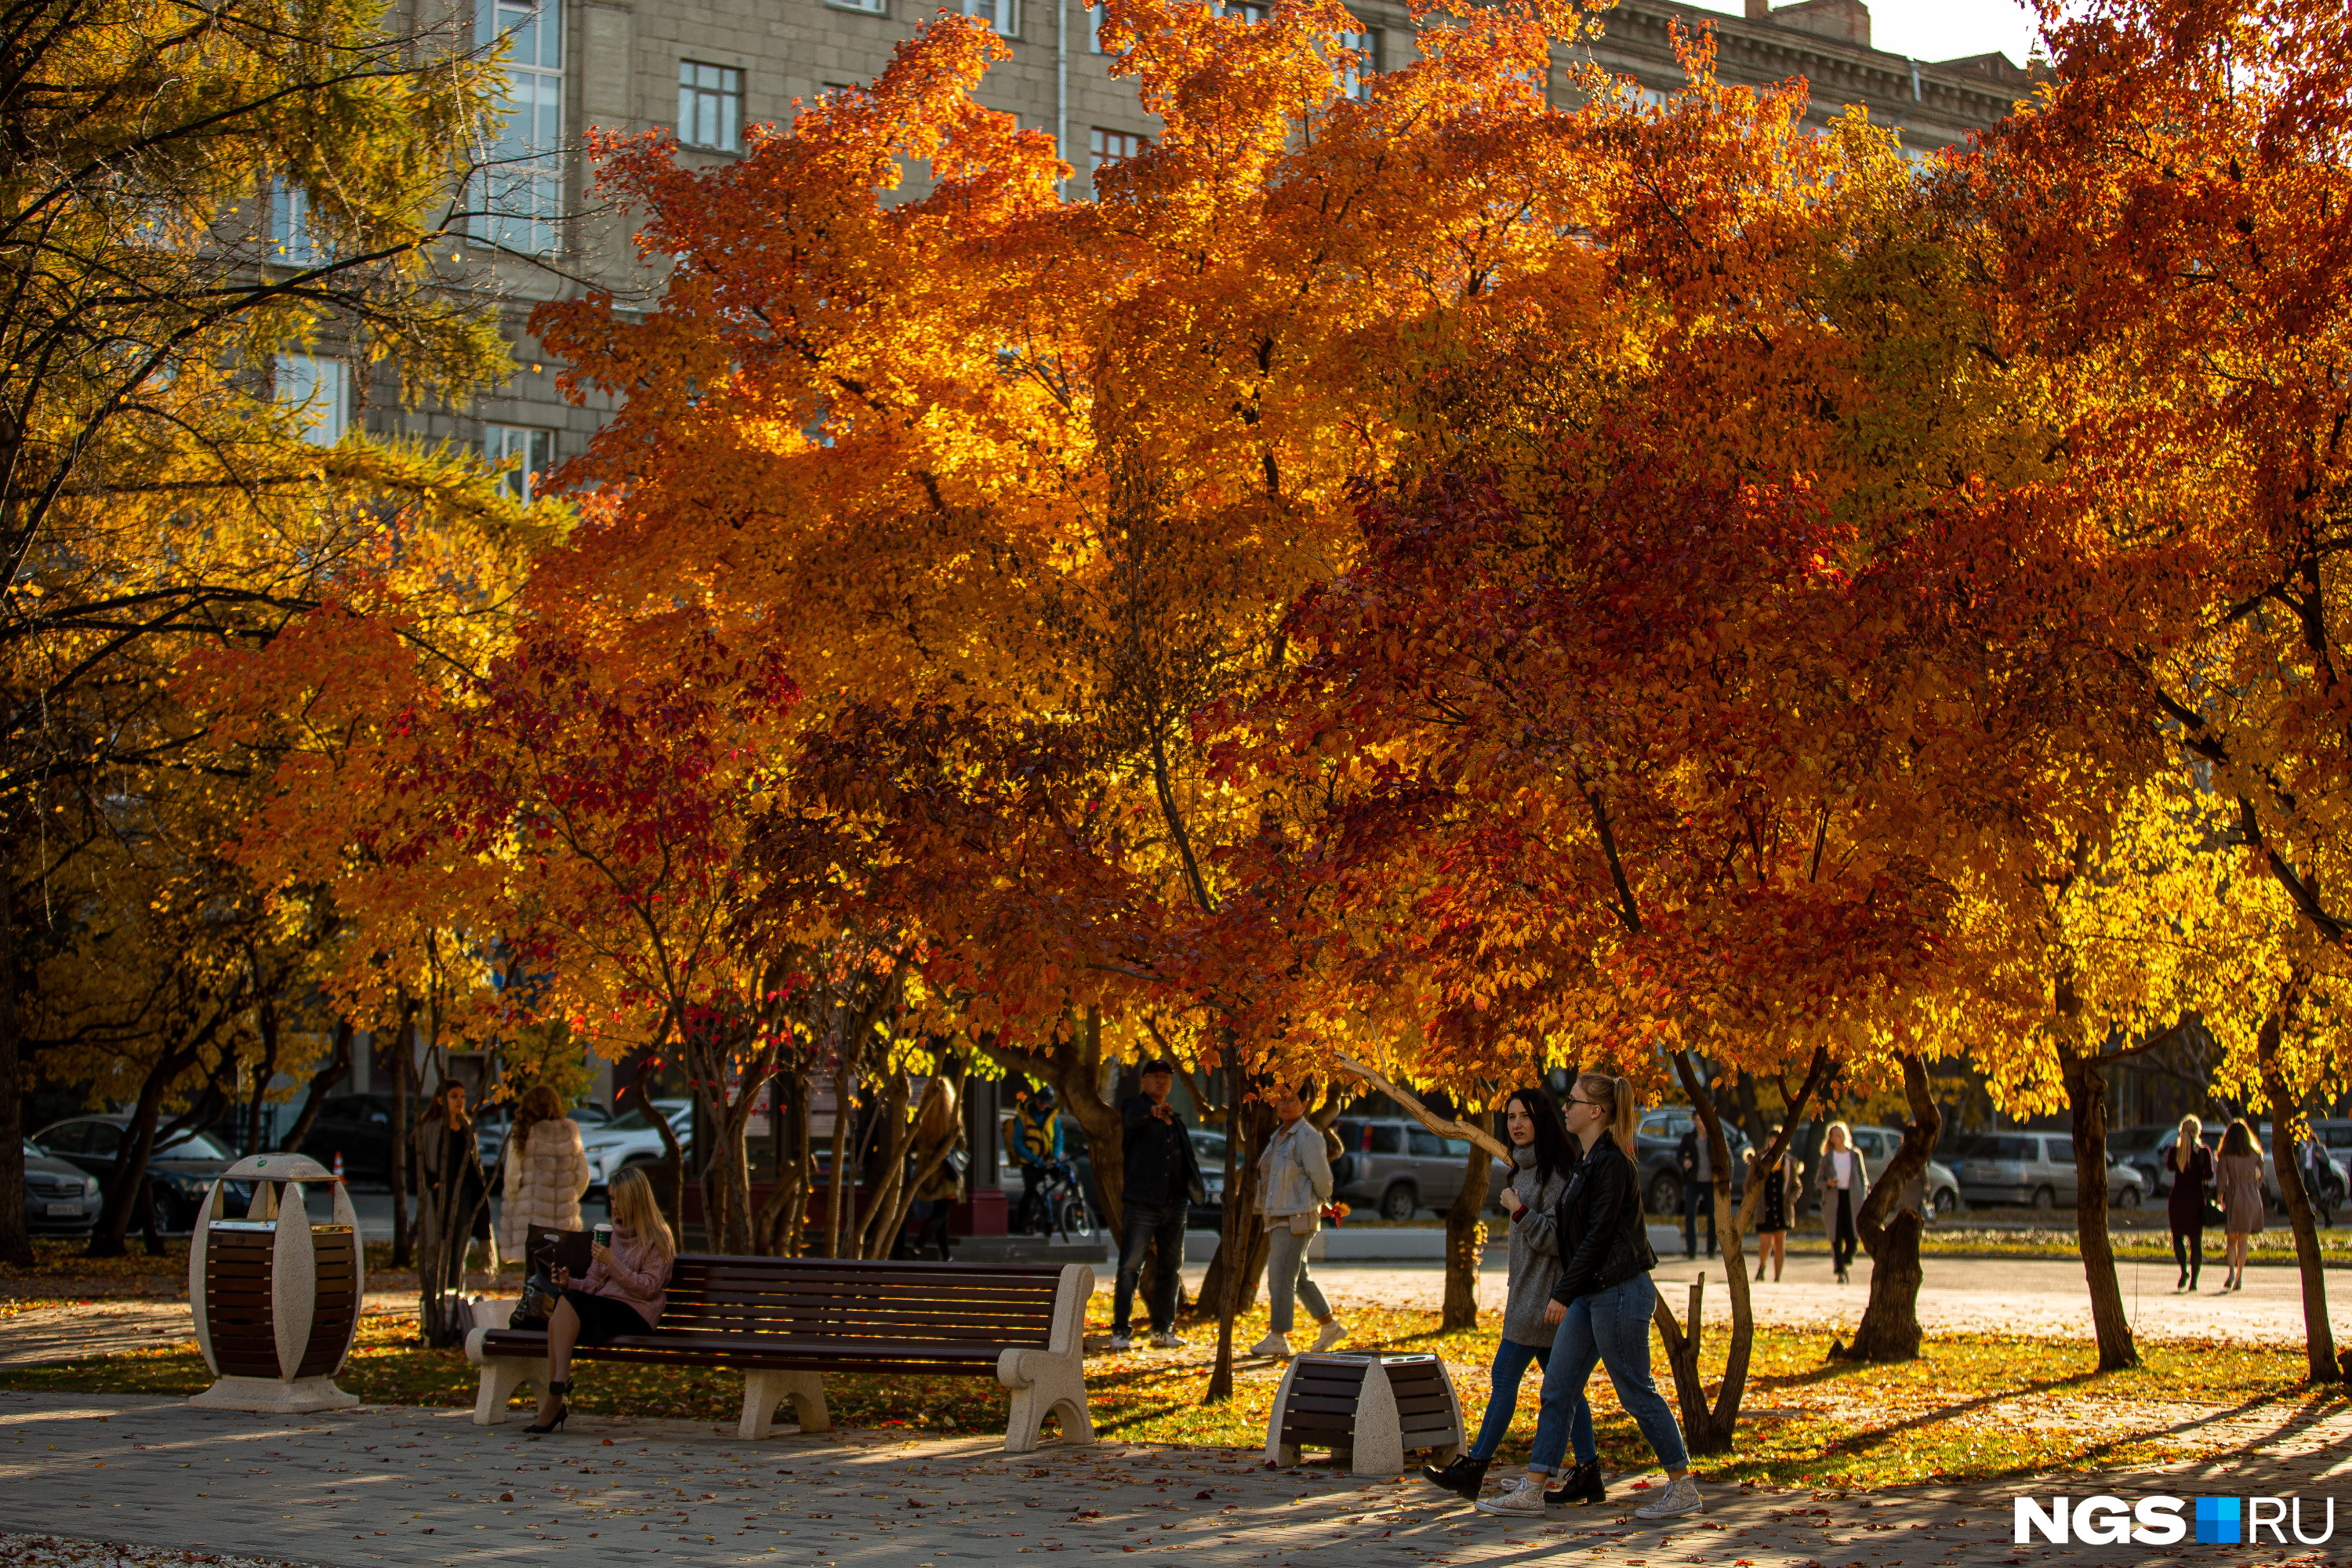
1162	1177
1696	1156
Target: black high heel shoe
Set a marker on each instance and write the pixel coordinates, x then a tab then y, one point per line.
562	1410
1464	1477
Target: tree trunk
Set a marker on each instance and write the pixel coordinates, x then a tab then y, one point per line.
262	1075
1465	1240
1710	1428
2086	1098
1890	1323
125	1187
776	1229
338	1067
2286	1119
673	1192
1245	1120
403	1073
16	1237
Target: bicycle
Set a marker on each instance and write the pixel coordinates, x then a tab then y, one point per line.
1063	1199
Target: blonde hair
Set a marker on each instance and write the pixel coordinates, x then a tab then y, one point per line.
635	1211
2189	1135
1845	1135
1625	1110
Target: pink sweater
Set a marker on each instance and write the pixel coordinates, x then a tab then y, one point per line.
636	1275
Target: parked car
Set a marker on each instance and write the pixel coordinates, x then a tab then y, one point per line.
2334	1183
632	1139
1657	1153
179	1172
1877	1146
1209	1149
1400	1168
2034	1168
60	1197
358	1126
490	1127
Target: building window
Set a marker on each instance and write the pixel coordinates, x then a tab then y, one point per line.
319	391
1094	30
1356	81
520	194
1108	147
1251	11
874	7
532	453
710	106
998	13
292	241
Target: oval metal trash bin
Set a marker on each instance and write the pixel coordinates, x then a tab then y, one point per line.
276	1298
1368	1410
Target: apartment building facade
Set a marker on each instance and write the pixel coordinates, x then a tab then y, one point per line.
707	70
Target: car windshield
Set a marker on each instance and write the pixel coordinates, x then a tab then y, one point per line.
192	1145
2134	1140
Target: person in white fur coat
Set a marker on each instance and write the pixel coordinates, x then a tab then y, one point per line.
547	1169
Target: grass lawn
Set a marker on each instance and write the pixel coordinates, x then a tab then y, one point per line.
1973	1407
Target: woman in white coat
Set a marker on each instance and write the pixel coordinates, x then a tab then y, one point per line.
547	1169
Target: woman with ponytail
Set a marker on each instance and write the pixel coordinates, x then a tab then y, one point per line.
1600	1310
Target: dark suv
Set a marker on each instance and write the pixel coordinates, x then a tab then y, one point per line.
1400	1168
359	1128
1657	1152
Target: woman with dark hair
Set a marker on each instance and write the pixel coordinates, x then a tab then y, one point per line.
1543	1157
449	1157
2192	1174
1600	1310
2240	1169
1782	1187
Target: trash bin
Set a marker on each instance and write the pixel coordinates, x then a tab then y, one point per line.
276	1298
1369	1410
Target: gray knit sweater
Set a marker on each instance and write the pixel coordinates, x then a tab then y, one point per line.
1535	1252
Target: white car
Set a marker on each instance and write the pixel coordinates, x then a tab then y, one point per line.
630	1139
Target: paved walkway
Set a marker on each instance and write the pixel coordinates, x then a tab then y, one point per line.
416	1486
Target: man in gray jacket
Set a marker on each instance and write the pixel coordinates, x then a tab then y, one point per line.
1294	1184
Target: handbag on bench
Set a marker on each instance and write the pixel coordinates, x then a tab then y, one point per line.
544	1251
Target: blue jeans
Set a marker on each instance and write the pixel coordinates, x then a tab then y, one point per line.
1610	1327
1145	1224
1511	1360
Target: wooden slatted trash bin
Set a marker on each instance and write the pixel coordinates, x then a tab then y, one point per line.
1369	1410
276	1298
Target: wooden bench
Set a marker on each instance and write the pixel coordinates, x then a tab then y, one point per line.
785	1321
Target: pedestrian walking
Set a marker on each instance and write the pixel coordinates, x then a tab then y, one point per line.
2239	1174
2318	1177
1294	1184
2186	1206
1543	1155
1161	1179
1782	1187
1033	1138
1600	1309
547	1171
1695	1154
626	1287
1845	1179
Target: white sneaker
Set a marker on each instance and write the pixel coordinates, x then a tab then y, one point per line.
1523	1498
1272	1344
1167	1340
1333	1332
1122	1342
1681	1498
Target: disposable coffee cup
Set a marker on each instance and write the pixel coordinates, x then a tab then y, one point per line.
602	1236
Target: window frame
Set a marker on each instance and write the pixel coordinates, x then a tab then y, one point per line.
520	483
727	95
532	165
328	430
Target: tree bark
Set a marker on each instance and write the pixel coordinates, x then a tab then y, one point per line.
1710	1428
1465	1244
404	1074
1246	1130
2286	1122
2086	1098
1890	1323
129	1182
263	1072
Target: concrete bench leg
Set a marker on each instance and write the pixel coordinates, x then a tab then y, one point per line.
1043	1384
502	1378
764	1390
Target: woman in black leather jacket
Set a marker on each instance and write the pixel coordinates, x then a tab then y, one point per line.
1601	1309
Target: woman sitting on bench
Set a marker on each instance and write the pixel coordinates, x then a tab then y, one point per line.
622	1295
